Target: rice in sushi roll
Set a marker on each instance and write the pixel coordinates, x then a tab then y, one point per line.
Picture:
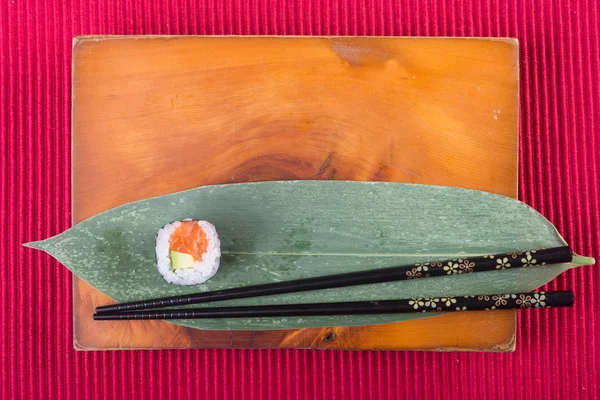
188	252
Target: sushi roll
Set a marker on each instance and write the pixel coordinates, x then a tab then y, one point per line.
188	252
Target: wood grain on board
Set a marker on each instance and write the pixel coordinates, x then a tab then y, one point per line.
155	115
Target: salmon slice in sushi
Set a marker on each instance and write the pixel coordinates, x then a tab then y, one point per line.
188	252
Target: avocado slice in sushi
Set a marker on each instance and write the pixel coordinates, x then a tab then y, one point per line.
181	260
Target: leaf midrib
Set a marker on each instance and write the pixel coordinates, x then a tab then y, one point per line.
275	253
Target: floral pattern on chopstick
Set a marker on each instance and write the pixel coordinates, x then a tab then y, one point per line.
452	267
483	302
517	259
466	266
417	272
515	254
502	263
537	300
529	261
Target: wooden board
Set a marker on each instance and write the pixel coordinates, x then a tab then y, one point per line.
154	115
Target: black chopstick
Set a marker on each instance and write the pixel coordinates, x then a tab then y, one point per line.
414	271
437	304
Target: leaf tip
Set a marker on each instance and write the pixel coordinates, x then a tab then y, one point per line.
35	245
581	260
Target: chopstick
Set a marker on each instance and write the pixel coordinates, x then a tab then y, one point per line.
418	305
414	271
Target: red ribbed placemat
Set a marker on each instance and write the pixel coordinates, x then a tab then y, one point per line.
557	350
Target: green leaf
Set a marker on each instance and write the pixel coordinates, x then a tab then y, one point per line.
276	231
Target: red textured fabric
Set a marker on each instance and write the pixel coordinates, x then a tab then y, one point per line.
557	354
